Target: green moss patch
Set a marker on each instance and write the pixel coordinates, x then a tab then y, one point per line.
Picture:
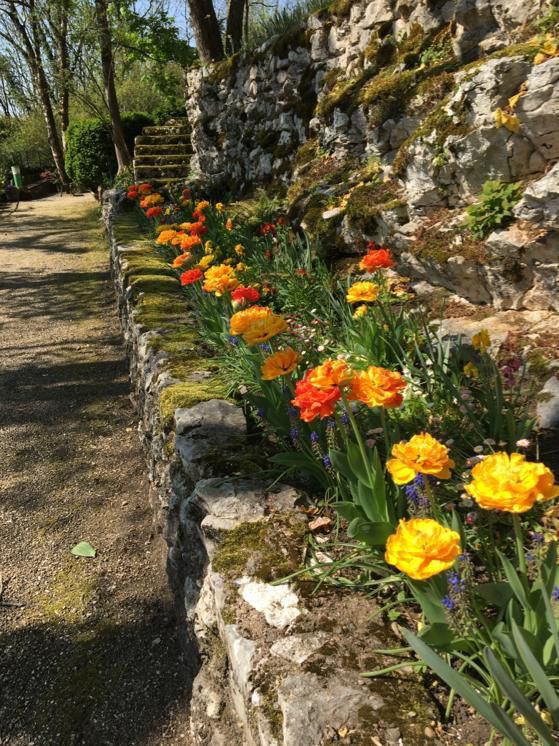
185	395
269	549
151	283
366	202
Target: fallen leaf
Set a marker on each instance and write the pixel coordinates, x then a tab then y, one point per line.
320	523
342	732
83	549
509	121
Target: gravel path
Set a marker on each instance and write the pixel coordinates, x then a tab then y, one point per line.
89	655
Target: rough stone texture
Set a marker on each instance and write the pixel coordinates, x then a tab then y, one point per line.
548	407
272	664
253	116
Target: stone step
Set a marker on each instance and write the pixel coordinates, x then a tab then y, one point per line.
180	121
183	139
161	159
163	130
158	172
168	181
157	149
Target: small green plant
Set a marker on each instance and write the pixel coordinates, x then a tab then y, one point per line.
494	207
549	21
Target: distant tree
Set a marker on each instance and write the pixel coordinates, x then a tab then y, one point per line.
207	31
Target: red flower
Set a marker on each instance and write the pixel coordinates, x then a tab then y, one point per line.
153	212
145	188
198	228
268	228
377	258
191	276
301	272
248	294
282	220
186	193
313	402
132	194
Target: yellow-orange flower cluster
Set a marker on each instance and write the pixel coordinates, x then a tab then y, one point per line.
510	483
281	363
422	454
263	329
165	237
421	548
362	292
240	321
377	387
151	200
220	279
330	373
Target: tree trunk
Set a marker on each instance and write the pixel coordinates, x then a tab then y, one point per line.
50	121
234	30
123	158
64	73
206	30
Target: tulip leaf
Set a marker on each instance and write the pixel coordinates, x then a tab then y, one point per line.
490	711
518	699
537	673
497	594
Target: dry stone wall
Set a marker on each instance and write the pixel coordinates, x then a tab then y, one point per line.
271	664
379	119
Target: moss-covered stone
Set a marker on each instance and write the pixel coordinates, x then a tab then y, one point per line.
153	311
224	69
366	202
161	284
269	549
186	395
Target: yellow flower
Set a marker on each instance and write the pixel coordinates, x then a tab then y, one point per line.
205	261
220	279
421	548
378	387
219	206
509	121
240	321
331	373
360	311
201	206
481	341
239	249
229	260
240	267
165	237
208	247
263	329
471	371
362	292
281	363
422	454
510	483
165	227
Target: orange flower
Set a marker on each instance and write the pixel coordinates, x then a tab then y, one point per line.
144	188
313	402
241	320
263	329
191	276
187	242
220	279
181	259
229	224
422	454
165	237
421	548
377	387
362	292
176	240
330	373
377	259
510	483
281	363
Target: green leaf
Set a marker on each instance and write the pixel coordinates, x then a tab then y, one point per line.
347	510
341	464
83	549
497	594
515	582
517	698
498	719
299	461
373	534
536	672
358	468
439	635
428	595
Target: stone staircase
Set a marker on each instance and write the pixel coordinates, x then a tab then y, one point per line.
162	153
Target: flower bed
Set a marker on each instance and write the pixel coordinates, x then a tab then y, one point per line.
418	451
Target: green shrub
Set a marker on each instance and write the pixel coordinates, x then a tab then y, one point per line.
493	209
90	156
23	142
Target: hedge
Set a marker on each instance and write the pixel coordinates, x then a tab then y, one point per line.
90	156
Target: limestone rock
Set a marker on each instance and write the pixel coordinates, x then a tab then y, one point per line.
278	603
548	409
540	202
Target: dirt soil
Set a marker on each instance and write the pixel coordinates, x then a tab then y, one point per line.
88	647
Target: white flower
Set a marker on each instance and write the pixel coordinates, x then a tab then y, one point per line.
523	443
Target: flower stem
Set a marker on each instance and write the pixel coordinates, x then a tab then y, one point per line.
519	537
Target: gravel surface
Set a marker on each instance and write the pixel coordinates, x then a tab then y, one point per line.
88	647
